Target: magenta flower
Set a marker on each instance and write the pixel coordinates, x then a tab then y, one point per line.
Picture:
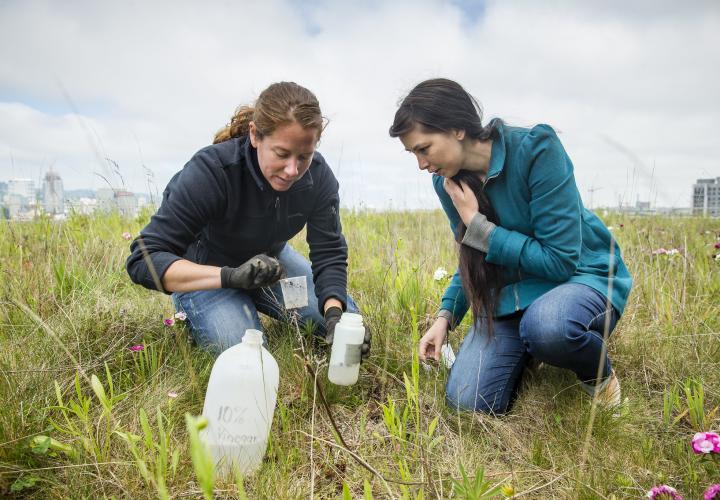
713	492
717	245
706	442
137	348
127	236
168	322
180	316
664	491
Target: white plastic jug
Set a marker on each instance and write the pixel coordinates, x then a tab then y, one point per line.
239	405
345	354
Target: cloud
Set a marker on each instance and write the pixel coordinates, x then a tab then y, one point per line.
149	83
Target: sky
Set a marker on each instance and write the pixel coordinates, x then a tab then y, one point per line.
124	93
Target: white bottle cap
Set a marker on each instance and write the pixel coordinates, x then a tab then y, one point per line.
253	337
352	318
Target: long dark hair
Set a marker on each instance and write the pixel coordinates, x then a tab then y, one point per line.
481	279
442	105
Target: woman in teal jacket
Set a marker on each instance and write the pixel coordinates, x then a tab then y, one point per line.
542	275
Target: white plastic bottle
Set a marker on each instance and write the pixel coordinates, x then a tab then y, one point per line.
346	350
239	405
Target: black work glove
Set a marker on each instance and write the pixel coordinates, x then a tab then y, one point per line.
257	272
332	316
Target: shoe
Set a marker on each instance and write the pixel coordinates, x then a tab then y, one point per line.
533	364
607	392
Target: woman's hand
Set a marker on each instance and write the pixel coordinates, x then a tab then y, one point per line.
463	198
433	340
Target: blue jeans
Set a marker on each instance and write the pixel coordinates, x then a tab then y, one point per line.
564	328
218	318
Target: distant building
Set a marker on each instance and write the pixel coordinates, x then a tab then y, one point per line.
19	197
706	197
642	206
109	200
53	195
22	187
127	203
83	205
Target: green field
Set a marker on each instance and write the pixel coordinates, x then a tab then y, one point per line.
69	313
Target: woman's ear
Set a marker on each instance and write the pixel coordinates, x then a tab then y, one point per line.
459	134
252	132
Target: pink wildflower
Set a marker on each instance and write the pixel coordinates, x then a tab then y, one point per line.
180	316
137	348
706	442
168	322
127	236
172	394
664	491
666	251
717	245
713	492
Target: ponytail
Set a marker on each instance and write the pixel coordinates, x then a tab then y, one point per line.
239	124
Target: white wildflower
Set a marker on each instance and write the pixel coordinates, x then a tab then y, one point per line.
440	274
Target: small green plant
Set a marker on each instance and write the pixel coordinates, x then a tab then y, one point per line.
671	404
153	459
476	487
43	445
147	362
93	432
24	482
695	399
201	459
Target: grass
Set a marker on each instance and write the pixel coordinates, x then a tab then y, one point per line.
83	416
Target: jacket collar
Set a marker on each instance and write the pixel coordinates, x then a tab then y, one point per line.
497	154
249	154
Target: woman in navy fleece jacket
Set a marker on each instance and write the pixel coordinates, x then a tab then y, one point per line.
542	275
218	242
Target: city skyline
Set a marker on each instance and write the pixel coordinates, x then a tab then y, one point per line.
107	92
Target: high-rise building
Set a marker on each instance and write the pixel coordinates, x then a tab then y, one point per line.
22	187
706	197
20	195
53	195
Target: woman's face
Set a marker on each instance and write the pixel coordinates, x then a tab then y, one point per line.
285	155
437	152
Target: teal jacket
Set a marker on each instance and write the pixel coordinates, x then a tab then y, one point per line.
545	237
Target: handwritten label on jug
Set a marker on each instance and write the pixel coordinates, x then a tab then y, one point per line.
230	414
226	437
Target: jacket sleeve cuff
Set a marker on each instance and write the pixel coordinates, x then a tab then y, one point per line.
478	232
444	313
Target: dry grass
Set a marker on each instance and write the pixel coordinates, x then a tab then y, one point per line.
71	276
